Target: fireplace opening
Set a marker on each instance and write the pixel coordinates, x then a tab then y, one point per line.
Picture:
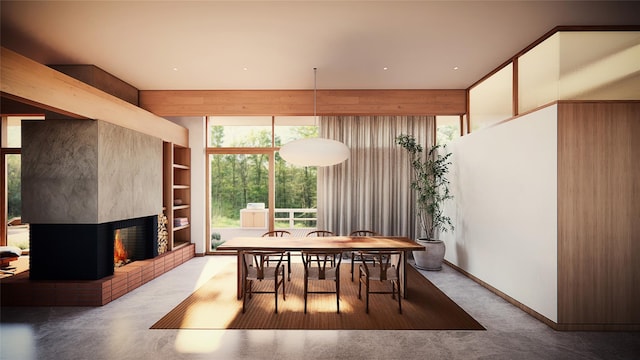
120	253
129	244
134	239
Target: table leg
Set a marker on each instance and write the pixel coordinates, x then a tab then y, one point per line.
403	273
240	271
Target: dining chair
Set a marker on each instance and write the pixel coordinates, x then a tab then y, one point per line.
256	268
281	233
321	233
321	265
355	256
387	269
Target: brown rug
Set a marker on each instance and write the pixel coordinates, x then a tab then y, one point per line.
214	306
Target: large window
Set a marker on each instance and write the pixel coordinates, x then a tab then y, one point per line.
251	188
568	65
14	231
580	65
239	131
491	101
447	128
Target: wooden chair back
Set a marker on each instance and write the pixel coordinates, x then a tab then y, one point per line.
364	233
322	265
280	233
276	233
386	264
321	233
256	264
355	256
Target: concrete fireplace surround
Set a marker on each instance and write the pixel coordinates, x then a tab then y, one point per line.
78	176
88	172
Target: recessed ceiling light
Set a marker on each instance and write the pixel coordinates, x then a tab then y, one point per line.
245	68
455	68
385	68
175	69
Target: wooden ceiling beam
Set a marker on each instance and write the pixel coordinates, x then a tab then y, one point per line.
38	85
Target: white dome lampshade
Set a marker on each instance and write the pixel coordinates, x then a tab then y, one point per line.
314	152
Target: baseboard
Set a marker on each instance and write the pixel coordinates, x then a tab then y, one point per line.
506	297
542	318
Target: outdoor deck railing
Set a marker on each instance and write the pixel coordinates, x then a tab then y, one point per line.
291	215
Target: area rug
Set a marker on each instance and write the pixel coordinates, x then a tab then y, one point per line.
215	306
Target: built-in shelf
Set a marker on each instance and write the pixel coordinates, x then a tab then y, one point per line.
181	227
178	245
177	193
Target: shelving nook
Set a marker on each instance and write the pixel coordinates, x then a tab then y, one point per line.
177	193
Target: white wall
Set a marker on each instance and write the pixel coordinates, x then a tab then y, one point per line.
504	180
197	143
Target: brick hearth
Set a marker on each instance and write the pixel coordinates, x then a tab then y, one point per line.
18	290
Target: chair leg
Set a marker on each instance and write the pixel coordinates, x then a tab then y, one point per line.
366	285
244	295
275	290
399	299
280	281
306	288
360	284
338	292
289	265
352	267
248	290
284	293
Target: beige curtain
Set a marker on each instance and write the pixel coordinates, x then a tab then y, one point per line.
371	190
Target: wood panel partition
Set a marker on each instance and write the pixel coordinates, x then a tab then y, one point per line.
598	215
300	102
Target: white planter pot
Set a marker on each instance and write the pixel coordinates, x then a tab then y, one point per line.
430	259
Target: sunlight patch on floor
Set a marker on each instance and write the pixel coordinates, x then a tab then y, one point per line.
212	267
198	341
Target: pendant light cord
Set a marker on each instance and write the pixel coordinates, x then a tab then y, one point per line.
315	87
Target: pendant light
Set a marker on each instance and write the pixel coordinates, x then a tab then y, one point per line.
314	151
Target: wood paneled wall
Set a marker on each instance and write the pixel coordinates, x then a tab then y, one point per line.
598	215
300	102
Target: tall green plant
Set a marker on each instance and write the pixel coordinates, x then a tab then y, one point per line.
430	184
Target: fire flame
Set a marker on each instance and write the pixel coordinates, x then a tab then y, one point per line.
119	252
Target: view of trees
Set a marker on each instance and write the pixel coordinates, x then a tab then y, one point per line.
238	179
447	133
14	200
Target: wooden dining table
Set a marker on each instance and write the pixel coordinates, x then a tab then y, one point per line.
342	243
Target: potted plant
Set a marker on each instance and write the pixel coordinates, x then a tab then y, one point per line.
432	190
215	241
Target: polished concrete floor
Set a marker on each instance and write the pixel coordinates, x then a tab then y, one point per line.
120	330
